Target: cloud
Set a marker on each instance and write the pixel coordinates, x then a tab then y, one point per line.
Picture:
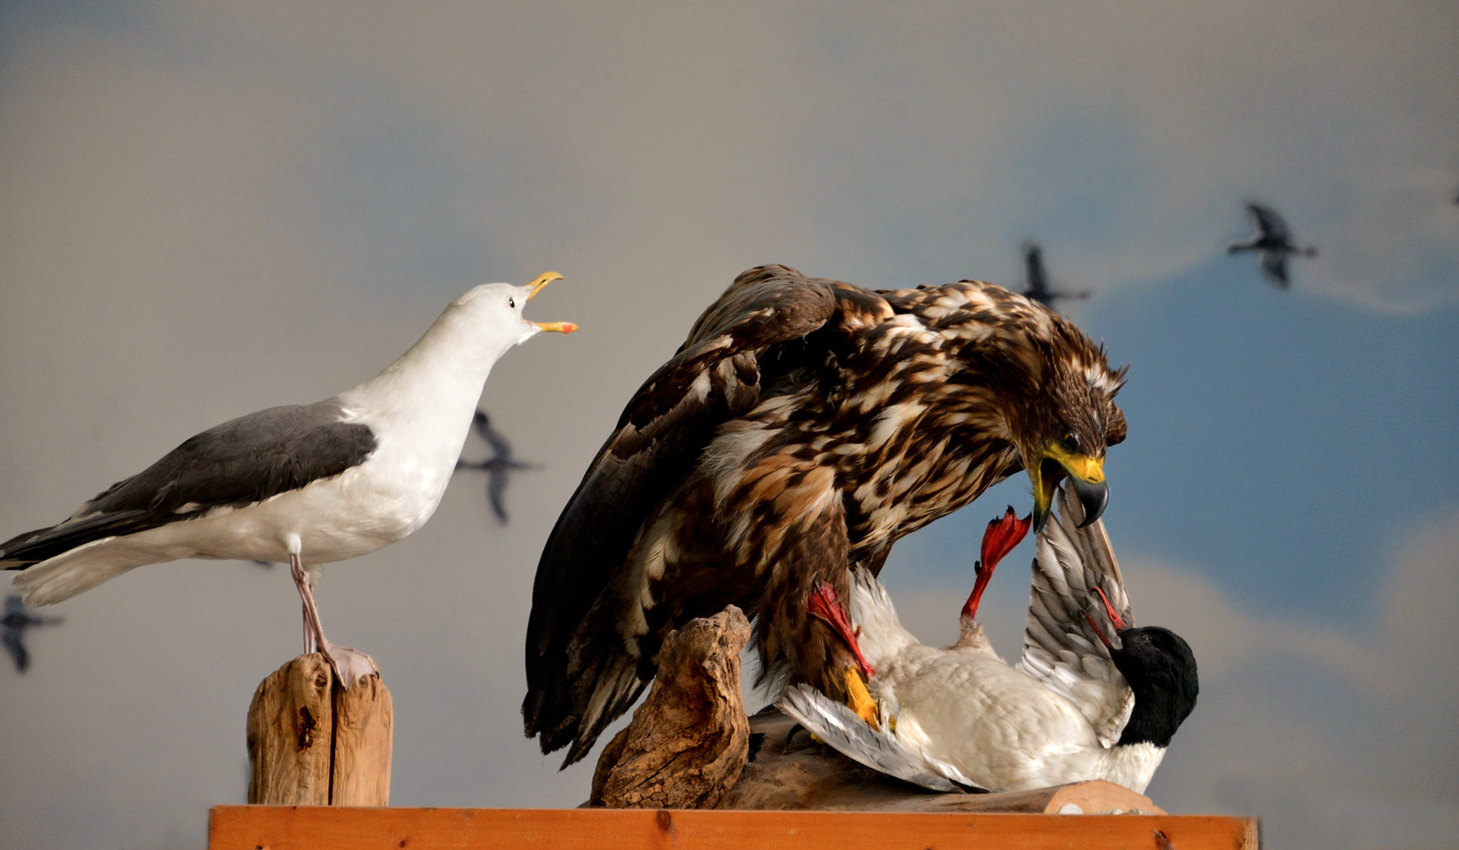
926	142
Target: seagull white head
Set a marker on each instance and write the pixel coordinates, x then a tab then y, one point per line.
495	309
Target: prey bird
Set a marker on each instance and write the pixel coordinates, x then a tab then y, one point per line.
303	484
1093	697
1273	242
1038	279
498	467
12	630
802	428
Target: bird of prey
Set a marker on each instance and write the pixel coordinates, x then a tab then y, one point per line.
1038	280
1092	698
12	630
303	484
498	467
802	428
1274	242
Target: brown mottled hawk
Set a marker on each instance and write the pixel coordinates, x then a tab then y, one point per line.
804	426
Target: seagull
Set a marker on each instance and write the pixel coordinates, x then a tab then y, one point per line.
498	467
1085	702
1038	280
303	484
16	620
1273	242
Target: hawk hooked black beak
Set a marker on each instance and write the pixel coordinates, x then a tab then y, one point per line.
1086	476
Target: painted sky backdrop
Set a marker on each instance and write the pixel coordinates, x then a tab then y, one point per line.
209	209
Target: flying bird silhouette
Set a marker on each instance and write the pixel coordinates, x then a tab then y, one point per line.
1274	242
498	467
1038	280
12	629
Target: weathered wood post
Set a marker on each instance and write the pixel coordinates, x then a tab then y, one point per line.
312	743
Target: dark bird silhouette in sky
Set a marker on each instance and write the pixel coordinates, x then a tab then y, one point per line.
1274	242
16	620
1038	279
498	467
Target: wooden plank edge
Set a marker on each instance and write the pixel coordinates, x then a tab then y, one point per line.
327	828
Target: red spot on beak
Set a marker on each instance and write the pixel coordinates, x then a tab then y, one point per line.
1110	610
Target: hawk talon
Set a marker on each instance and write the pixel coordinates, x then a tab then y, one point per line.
861	701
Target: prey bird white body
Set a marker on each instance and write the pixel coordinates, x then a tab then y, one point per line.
306	484
962	716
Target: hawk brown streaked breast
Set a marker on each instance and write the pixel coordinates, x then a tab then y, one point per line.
804	426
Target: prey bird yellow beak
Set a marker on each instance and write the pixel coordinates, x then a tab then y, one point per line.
553	327
1086	476
541	281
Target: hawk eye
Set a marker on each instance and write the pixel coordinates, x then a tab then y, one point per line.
1069	442
512	303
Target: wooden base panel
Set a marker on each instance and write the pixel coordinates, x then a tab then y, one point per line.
334	828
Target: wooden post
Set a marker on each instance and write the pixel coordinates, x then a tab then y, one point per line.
311	743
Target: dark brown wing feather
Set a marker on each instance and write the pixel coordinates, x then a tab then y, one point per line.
714	377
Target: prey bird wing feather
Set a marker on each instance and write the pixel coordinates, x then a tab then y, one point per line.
878	748
1062	646
802	428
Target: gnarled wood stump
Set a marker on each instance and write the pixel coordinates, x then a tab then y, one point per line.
312	743
690	739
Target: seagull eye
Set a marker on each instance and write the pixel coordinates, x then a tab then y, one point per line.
1069	442
512	303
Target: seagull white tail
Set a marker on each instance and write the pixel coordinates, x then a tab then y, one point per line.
77	570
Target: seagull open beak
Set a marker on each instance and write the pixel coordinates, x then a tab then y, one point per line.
541	281
536	286
1086	476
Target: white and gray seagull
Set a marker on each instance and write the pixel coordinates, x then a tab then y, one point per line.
308	484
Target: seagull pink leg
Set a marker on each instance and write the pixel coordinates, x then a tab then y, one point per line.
349	665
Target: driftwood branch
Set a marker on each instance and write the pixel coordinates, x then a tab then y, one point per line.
311	743
690	746
690	739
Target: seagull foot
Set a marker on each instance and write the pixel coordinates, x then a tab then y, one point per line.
350	666
861	700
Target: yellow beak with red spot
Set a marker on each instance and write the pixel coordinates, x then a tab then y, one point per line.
536	287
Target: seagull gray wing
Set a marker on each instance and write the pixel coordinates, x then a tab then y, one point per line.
841	729
238	463
1060	646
